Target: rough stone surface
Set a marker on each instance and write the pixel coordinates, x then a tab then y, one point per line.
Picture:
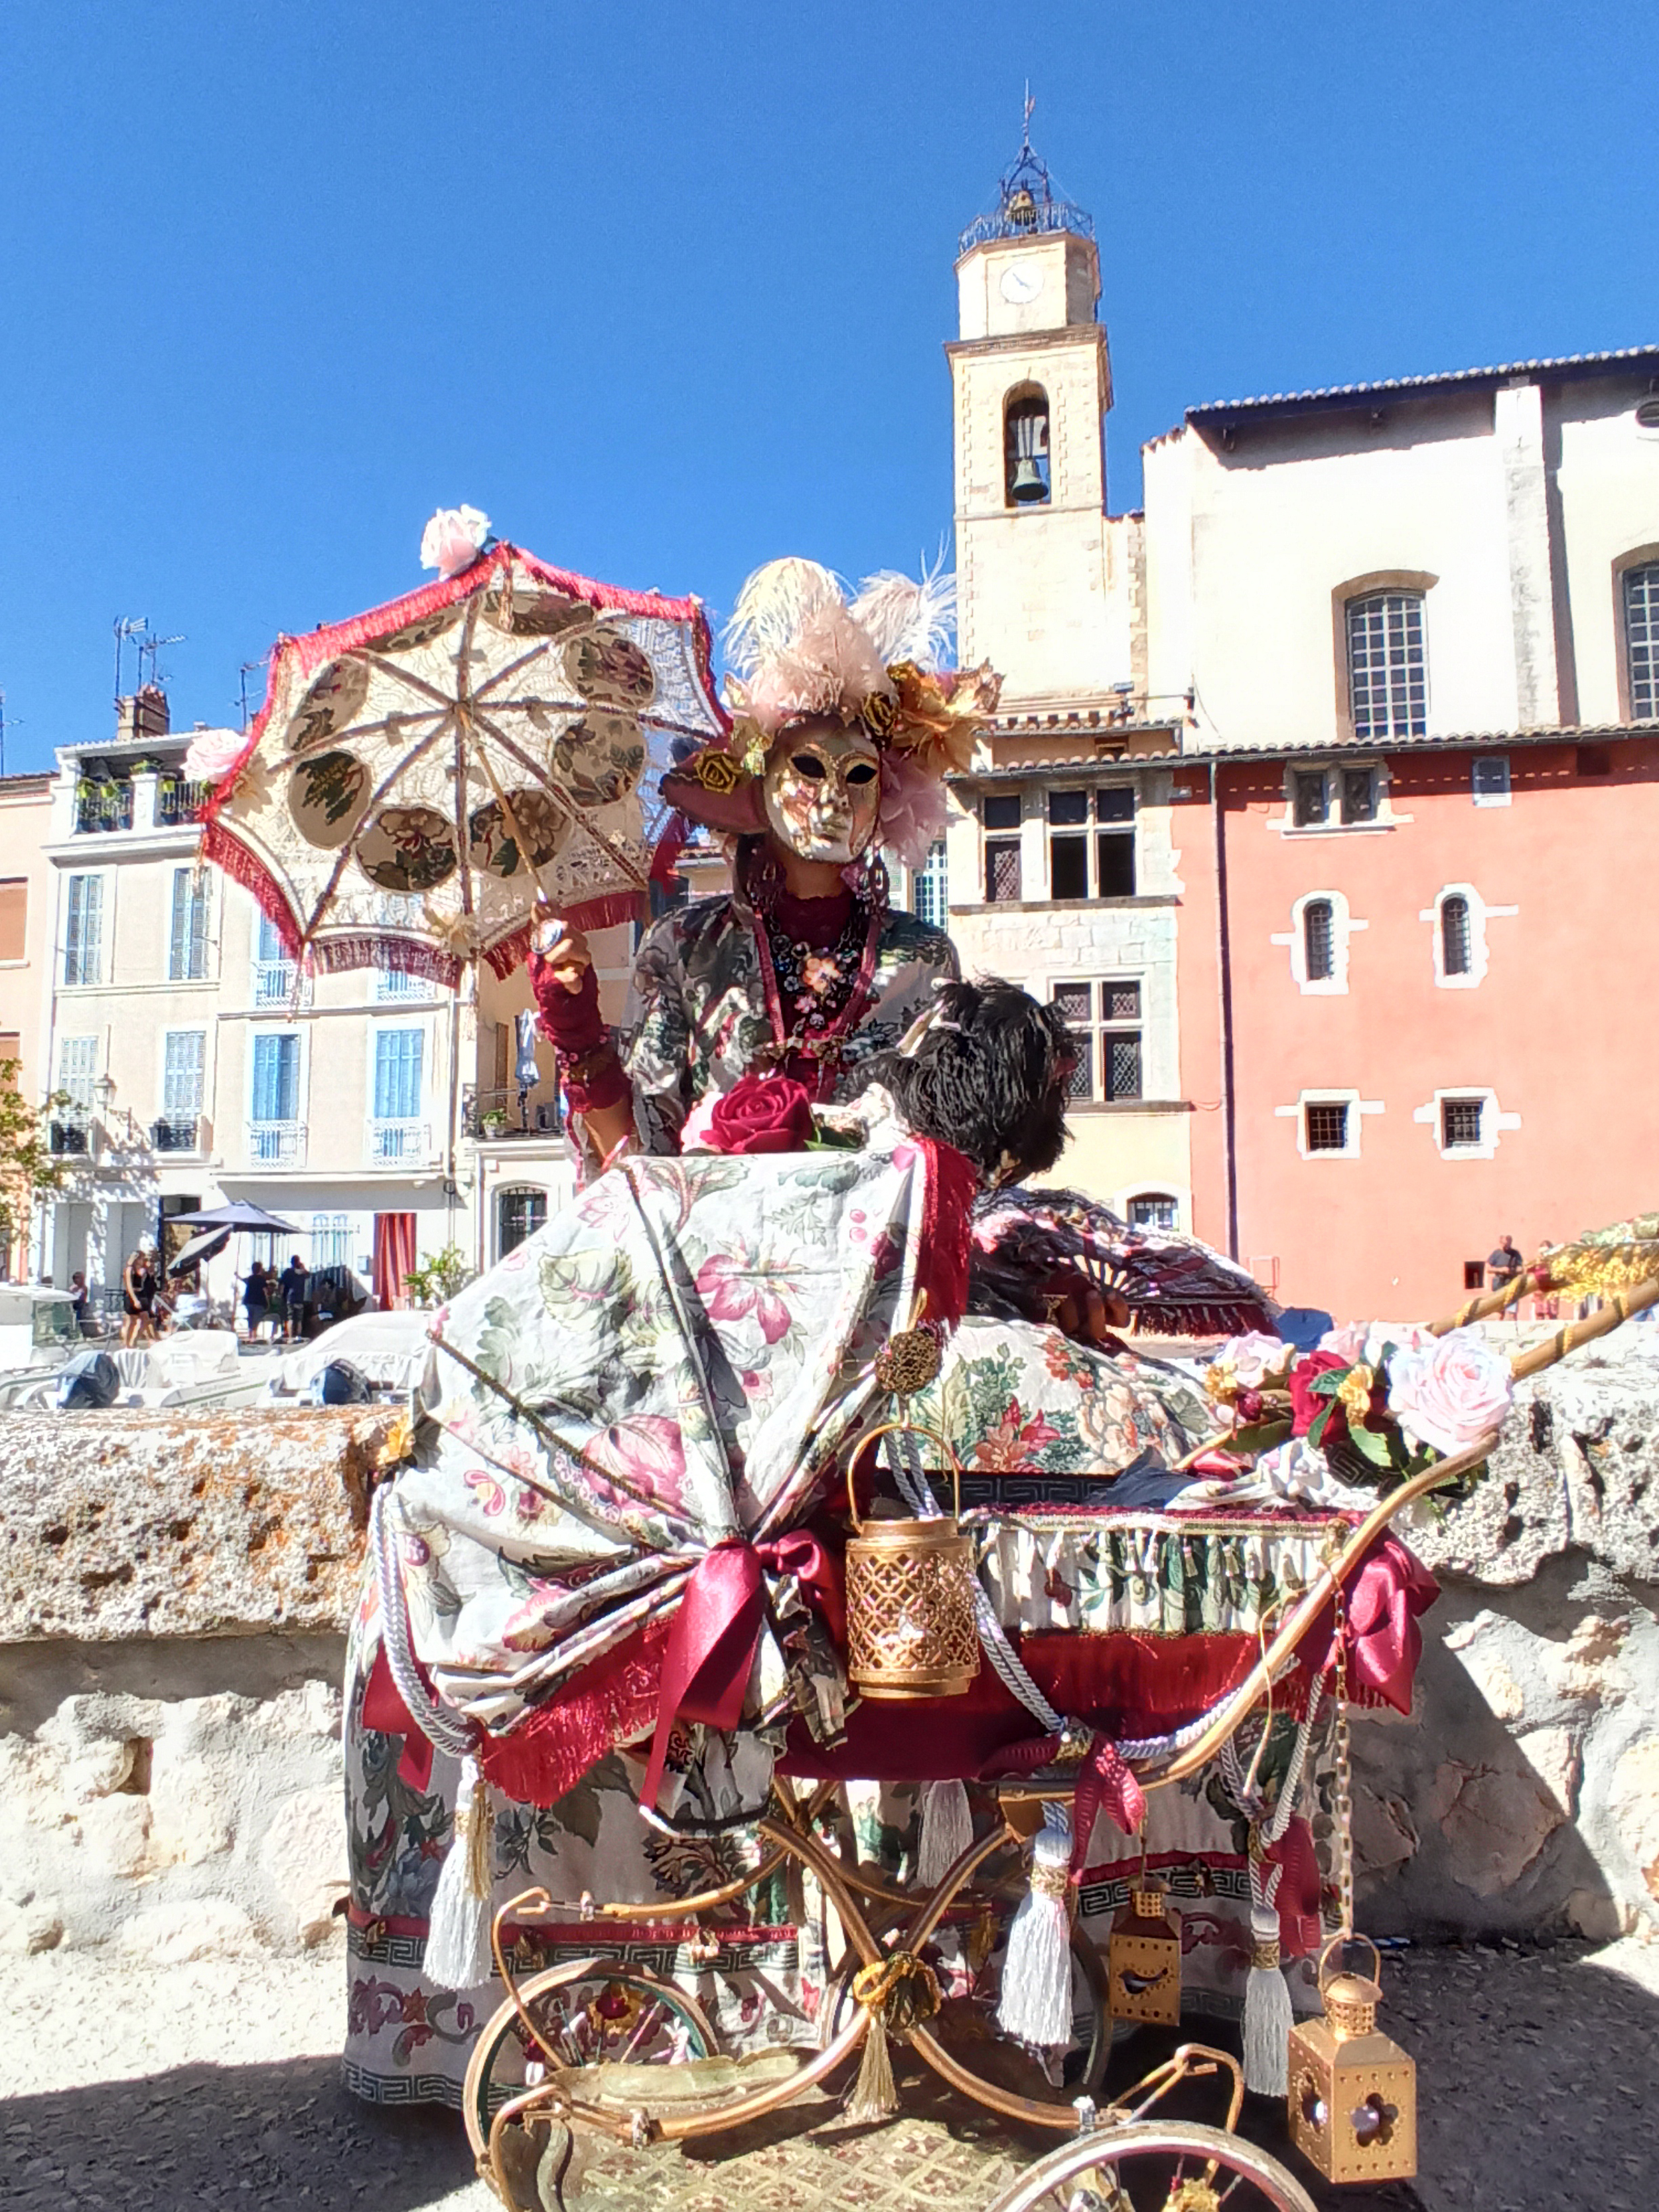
130	1523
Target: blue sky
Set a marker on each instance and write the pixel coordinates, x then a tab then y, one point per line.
664	289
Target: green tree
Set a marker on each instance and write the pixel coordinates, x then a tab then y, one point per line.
29	1170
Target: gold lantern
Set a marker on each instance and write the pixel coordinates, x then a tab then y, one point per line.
1142	1958
910	1627
1353	2091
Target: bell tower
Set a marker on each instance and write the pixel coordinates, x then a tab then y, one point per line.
1032	382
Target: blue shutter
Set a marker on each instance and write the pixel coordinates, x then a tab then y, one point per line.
275	1079
398	1075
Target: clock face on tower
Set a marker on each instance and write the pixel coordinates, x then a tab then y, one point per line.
1021	283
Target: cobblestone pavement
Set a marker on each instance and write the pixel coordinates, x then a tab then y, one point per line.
215	2084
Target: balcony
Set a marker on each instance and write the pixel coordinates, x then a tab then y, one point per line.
103	805
177	1132
69	1136
491	1115
273	984
276	1144
399	1144
178	800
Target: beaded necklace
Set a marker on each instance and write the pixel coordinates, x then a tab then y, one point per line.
814	998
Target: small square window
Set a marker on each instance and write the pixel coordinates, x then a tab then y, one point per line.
1489	779
1121	1002
1309	804
1001	810
1120	1070
1068	810
1460	1122
1359	794
1327	1126
1116	804
1474	1275
1152	1212
1073	1000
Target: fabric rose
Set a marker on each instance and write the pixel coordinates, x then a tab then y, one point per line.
1448	1392
761	1114
1306	1405
1349	1342
1255	1358
915	813
213	754
453	539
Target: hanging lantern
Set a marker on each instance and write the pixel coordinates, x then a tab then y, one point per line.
1353	2090
1142	1958
910	1629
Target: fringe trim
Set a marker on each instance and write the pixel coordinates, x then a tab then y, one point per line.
606	912
226	851
408	956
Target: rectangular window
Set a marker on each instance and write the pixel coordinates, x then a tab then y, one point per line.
1309	804
1642	639
1474	1275
1105	1019
1460	1122
1326	1126
1489	779
1001	811
1388	674
1114	842
1111	814
78	1065
83	931
187	956
1359	794
330	1239
1153	1212
275	1079
398	1075
14	918
183	1062
930	888
1068	844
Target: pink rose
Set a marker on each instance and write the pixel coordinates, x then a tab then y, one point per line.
213	754
453	539
1349	1342
762	1114
1255	1359
1451	1391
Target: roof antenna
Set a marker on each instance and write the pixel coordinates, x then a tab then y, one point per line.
128	626
1025	127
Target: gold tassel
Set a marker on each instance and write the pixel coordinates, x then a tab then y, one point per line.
480	1835
874	2097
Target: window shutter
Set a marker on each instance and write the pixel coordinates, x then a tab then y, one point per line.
275	1079
181	1079
179	956
398	1075
77	1061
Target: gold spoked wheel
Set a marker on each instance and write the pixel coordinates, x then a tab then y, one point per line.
1156	2165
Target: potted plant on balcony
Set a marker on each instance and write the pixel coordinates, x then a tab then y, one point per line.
493	1121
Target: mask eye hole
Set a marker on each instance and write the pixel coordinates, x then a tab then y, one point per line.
809	765
862	772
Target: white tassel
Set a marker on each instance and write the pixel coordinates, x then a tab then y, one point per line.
458	1954
1036	2004
1268	2017
947	1829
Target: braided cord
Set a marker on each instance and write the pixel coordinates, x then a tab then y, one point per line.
434	1719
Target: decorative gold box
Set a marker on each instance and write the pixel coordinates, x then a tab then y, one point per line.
1353	2090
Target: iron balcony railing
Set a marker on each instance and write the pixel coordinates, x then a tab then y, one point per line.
398	1143
177	1132
276	1144
273	984
179	799
488	1114
69	1135
103	806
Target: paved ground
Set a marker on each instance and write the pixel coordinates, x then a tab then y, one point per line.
215	2084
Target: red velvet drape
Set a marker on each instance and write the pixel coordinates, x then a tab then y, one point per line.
394	1255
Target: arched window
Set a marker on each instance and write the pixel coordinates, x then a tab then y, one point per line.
1642	639
1025	447
1318	941
1454	949
1387	669
519	1214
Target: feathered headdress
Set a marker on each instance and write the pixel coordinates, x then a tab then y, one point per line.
800	649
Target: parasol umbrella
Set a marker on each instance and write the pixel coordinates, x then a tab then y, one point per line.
205	1246
417	775
236	1213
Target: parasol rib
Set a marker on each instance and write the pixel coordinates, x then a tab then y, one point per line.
638	878
348	850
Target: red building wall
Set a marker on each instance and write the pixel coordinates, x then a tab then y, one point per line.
1561	1027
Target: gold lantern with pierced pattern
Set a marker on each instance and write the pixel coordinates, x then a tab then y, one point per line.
1353	2090
910	1627
1142	1958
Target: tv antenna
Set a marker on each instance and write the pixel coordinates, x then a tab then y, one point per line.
1025	119
128	626
246	669
155	647
17	724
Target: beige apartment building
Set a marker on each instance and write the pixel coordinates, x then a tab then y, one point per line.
385	1119
25	970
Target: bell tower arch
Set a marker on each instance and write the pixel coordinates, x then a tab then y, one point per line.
1032	381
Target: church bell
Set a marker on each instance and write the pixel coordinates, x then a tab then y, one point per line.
1028	485
1353	2090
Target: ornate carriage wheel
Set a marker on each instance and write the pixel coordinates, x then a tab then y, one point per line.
1155	2165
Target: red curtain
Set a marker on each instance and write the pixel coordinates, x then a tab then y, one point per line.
394	1255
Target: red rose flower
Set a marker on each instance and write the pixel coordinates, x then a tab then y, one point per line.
1250	1405
1306	1407
762	1114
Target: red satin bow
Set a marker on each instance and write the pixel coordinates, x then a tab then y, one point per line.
712	1644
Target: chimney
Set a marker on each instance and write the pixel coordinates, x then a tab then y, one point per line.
143	714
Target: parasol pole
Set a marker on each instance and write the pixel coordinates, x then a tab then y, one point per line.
1620	1305
482	753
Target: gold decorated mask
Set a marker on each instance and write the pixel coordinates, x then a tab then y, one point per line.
823	790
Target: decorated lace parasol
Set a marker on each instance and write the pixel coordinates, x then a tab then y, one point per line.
419	773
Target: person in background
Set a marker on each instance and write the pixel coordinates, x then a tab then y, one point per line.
138	1281
256	1296
78	1293
1504	1265
292	1284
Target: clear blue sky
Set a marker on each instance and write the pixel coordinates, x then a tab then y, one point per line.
664	289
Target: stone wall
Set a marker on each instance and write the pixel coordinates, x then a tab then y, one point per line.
173	1594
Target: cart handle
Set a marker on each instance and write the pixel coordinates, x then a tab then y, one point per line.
908	1429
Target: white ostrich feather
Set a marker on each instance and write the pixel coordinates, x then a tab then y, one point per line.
773	607
908	618
830	667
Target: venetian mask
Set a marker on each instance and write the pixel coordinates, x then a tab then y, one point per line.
822	789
